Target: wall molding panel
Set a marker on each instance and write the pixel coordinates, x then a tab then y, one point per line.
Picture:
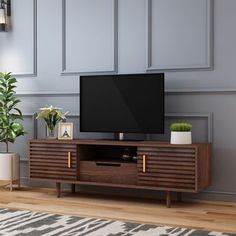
65	70
207	116
35	39
34	69
210	91
48	94
32	133
219	192
169	92
207	64
34	121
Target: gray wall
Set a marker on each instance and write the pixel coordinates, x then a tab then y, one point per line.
51	43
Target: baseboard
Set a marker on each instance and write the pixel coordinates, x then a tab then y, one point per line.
212	196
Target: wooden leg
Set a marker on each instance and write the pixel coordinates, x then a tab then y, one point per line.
11	186
168	199
179	197
58	188
11	183
73	188
19	175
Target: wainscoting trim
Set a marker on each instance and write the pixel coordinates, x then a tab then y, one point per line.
210	91
47	94
208	116
33	117
210	42
170	92
34	74
115	44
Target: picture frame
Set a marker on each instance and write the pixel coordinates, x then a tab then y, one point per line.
65	130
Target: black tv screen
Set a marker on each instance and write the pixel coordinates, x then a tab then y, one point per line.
131	103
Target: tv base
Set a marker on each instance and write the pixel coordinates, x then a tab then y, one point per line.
121	136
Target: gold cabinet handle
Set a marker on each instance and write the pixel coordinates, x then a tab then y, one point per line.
144	163
69	159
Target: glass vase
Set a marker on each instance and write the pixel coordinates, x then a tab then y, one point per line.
51	133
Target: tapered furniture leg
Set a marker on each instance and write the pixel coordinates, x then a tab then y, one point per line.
58	188
11	186
11	183
19	176
168	199
73	188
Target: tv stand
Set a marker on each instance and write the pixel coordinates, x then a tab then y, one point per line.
149	165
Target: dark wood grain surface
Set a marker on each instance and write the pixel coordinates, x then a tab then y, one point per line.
160	165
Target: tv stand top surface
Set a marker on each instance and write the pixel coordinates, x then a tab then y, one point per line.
121	140
114	142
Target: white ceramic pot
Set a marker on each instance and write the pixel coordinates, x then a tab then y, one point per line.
184	137
8	161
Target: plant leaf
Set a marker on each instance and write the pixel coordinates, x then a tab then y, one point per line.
12	80
9	128
17	128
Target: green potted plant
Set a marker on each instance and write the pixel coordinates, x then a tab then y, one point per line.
51	115
181	133
10	128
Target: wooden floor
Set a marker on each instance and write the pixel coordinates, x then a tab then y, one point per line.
204	215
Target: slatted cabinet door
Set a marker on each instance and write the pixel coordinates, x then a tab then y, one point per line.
169	168
53	161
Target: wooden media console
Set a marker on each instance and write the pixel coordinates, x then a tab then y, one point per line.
149	165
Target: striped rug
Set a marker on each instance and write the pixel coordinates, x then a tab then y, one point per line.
20	223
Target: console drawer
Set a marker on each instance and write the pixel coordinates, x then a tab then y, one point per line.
108	172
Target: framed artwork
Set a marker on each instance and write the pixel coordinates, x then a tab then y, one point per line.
65	130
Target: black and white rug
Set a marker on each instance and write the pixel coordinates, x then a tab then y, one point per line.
20	223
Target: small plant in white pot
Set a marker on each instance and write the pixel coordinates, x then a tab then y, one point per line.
181	133
10	128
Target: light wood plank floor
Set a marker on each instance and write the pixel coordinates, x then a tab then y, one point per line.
204	215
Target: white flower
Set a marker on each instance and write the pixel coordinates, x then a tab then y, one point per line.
50	108
51	115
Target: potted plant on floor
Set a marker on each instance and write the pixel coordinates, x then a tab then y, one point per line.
181	133
10	128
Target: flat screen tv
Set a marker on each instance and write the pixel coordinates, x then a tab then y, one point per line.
132	103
